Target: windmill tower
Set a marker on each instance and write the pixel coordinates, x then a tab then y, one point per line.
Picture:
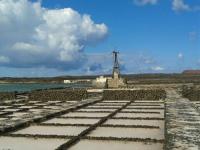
116	81
116	70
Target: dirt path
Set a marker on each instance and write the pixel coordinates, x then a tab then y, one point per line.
182	123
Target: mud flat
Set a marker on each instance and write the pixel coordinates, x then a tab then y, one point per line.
115	145
19	143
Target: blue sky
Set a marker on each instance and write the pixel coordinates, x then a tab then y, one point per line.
152	36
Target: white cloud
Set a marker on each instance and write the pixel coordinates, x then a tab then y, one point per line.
179	5
157	68
145	2
180	56
99	63
33	36
4	59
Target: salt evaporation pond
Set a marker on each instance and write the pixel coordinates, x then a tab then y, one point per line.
3	107
51	130
114	101
143	110
96	110
72	121
105	106
19	143
146	107
115	145
109	104
135	115
141	133
136	122
83	114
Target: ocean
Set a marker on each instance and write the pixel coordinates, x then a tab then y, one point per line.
25	87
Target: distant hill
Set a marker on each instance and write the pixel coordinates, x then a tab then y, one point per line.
195	72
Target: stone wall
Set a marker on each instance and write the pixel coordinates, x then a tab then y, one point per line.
116	83
192	93
7	95
62	95
134	94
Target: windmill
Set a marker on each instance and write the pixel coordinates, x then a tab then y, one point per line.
116	70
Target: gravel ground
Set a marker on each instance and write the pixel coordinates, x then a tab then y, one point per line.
182	123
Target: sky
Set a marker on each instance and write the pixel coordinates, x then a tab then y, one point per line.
77	37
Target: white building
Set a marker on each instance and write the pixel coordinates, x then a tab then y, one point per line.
67	81
100	82
101	79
